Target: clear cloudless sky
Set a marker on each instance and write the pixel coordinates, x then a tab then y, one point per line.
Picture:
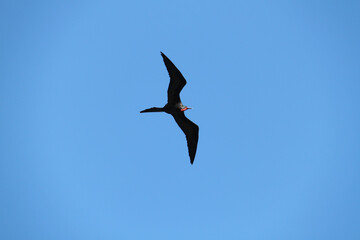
275	90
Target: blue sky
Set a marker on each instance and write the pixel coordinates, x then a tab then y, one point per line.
274	87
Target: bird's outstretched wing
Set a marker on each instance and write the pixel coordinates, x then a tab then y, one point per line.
191	131
177	81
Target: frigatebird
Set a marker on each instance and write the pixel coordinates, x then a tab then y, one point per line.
175	107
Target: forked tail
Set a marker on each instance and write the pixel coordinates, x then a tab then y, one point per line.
153	109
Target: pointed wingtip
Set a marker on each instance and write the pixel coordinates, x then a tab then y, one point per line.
163	55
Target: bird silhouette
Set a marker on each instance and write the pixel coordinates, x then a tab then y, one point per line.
175	107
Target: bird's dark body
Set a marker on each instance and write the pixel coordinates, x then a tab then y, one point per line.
170	109
175	107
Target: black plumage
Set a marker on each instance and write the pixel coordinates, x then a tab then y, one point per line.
175	107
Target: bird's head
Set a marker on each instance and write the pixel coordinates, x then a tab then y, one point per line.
184	108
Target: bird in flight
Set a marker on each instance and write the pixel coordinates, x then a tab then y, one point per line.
175	107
